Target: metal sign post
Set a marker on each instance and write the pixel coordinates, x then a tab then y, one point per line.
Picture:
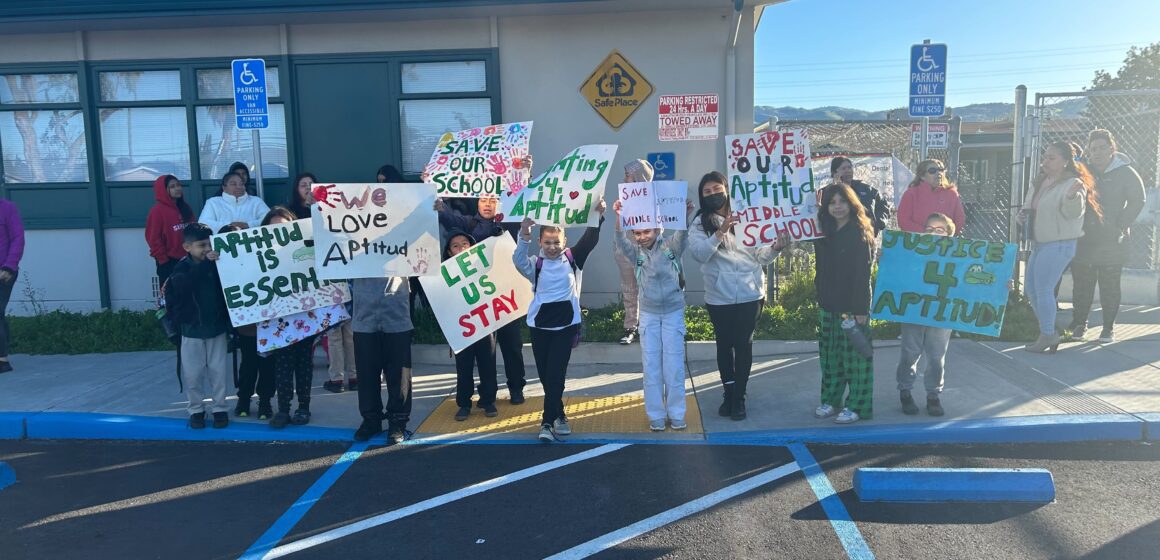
251	108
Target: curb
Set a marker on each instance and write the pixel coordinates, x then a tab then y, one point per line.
12	425
932	485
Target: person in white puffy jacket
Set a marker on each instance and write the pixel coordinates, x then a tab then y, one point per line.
234	206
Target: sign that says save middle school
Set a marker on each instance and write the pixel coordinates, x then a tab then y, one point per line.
481	161
375	230
657	204
771	186
567	193
478	291
269	272
946	282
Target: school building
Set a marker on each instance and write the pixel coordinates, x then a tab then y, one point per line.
99	98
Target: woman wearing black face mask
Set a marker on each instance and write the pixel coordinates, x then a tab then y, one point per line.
734	282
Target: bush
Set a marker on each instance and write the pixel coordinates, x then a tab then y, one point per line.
61	332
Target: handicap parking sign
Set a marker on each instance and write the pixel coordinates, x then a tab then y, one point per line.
250	100
664	165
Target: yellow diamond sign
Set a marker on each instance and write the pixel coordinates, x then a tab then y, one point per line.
616	89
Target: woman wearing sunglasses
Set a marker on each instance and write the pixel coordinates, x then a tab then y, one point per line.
929	193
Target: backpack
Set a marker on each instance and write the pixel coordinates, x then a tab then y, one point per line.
536	283
672	259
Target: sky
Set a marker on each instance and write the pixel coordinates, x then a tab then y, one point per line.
855	53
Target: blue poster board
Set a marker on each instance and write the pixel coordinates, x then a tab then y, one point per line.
946	282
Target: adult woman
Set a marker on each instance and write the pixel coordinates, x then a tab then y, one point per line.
165	223
635	171
1062	193
929	193
11	251
234	206
842	278
300	197
241	170
734	282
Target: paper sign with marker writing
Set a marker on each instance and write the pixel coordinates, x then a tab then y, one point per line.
375	230
284	331
771	186
269	272
656	204
567	193
478	291
946	282
483	161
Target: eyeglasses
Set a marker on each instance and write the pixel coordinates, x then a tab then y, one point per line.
933	170
935	229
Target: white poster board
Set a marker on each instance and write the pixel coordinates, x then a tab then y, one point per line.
567	193
481	161
771	186
656	204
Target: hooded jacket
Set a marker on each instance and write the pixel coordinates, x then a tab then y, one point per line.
1058	216
922	200
227	209
11	236
733	273
1105	241
164	226
658	285
842	271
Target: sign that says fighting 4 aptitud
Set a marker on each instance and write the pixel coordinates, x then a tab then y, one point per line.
478	291
483	161
375	230
567	194
946	282
268	272
771	186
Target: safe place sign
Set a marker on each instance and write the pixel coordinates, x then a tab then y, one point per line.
928	80
250	100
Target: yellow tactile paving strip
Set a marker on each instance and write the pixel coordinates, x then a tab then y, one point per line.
593	415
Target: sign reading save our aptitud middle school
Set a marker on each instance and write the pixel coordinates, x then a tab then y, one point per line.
268	272
946	282
687	117
478	291
771	186
481	161
375	230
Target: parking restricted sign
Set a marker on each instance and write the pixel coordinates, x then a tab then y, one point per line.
688	117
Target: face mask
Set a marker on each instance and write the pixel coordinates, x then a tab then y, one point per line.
714	202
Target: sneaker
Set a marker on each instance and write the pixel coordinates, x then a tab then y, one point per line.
546	435
1107	336
368	429
908	406
726	408
737	413
1078	332
629	336
280	420
824	411
396	433
5	367
301	417
352	384
242	410
462	413
678	424
490	411
562	427
656	425
333	386
197	421
517	397
265	411
847	416
221	420
933	407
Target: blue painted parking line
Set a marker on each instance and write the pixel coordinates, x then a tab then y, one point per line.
847	530
12	425
7	476
954	485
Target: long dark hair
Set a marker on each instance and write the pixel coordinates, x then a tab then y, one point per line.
182	206
297	203
707	222
1073	168
858	217
390	173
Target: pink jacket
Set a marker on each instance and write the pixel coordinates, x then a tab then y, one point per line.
921	200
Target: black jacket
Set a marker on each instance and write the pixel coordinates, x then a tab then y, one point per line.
877	208
1121	196
181	301
842	267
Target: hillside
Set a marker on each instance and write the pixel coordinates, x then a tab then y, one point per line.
979	112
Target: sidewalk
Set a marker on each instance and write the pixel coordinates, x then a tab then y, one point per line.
994	392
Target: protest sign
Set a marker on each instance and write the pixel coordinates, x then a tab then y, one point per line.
566	194
478	291
881	171
375	230
946	282
653	204
771	186
481	161
687	117
281	332
269	272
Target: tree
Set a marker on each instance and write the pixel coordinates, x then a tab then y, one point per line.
1141	70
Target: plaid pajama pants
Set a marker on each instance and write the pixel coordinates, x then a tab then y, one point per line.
843	366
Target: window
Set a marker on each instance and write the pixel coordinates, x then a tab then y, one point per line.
217	83
220	143
42	129
39	88
445	77
433	103
141	86
142	143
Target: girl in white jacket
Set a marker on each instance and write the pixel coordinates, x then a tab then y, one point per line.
234	206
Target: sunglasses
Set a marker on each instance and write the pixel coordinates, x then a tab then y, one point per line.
933	170
936	230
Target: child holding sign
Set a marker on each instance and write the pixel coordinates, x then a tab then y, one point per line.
480	354
382	351
554	315
660	284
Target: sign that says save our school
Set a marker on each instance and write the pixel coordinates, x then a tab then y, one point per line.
616	89
771	186
946	282
483	161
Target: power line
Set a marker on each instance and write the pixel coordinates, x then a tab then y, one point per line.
901	78
998	55
902	97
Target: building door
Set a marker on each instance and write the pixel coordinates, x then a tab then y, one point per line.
344	124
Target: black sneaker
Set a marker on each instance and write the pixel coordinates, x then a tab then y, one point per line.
396	433
737	411
726	408
242	410
197	421
221	420
352	384
301	417
462	413
933	407
280	420
265	411
629	336
908	406
368	429
490	411
333	386
517	397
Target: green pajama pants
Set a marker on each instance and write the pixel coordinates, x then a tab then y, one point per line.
842	365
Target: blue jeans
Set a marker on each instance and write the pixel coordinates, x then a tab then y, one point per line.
1044	269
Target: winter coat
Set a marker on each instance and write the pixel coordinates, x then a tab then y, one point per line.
1121	195
193	297
227	209
1057	215
842	271
164	225
733	273
11	236
658	284
922	200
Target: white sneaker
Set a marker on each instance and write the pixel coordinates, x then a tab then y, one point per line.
562	427
656	425
824	411
546	435
678	424
847	416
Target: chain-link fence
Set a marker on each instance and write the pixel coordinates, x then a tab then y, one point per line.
1133	117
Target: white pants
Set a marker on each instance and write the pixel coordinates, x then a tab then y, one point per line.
662	347
340	341
204	361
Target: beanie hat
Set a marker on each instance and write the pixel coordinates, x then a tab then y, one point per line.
639	171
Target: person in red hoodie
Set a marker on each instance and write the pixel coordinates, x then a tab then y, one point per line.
165	224
930	192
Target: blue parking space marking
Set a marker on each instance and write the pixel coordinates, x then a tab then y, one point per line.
848	533
7	476
953	485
